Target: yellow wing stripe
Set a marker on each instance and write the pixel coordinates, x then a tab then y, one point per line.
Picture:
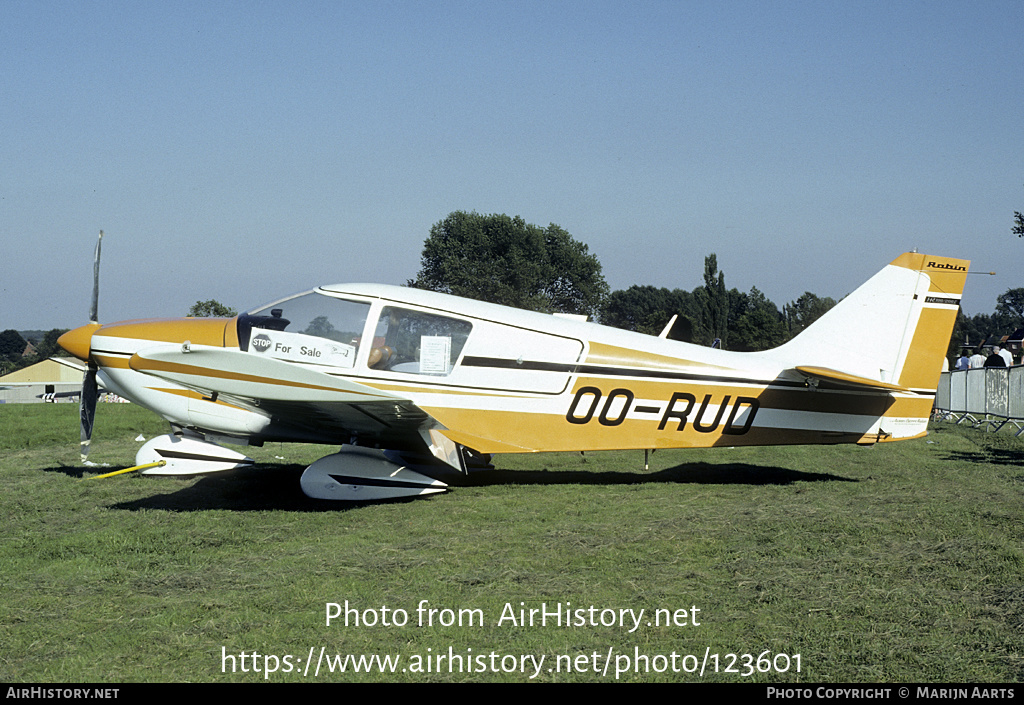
140	364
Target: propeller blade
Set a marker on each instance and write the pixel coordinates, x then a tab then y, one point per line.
87	408
94	309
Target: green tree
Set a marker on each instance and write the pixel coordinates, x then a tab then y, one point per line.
742	321
12	345
1018	227
964	337
805	310
1010	306
756	323
320	326
648	309
211	309
508	261
713	305
48	347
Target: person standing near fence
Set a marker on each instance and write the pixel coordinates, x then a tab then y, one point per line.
977	360
995	360
1005	354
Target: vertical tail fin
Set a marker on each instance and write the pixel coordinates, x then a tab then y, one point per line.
894	329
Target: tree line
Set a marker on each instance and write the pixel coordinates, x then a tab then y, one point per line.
508	261
17	351
505	260
971	332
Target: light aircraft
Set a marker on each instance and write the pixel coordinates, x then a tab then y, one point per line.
413	384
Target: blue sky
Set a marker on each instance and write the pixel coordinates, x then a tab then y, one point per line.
245	150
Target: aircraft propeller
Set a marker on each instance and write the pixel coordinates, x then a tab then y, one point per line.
90	392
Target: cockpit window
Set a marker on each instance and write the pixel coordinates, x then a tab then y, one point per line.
417	342
306	328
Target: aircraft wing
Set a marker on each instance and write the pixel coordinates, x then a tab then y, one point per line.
291	395
848	380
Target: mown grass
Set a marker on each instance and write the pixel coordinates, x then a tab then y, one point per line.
901	562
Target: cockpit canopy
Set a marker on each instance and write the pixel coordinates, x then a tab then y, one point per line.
326	330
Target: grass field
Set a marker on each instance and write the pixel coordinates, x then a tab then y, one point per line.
897	563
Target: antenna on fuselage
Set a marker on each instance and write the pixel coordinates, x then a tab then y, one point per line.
668	328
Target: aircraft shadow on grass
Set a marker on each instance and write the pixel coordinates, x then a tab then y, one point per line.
991	456
274	487
684	473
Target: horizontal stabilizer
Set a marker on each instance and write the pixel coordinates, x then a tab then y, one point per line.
848	380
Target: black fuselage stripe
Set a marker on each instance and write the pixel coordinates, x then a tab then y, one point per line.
203	458
374	482
602	371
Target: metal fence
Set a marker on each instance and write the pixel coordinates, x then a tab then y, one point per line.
988	398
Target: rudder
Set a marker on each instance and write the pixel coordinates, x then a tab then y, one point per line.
941	285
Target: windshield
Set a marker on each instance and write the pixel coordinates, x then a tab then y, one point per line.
309	327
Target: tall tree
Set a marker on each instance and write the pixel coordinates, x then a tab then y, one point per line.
713	301
508	261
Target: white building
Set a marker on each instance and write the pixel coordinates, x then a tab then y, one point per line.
56	375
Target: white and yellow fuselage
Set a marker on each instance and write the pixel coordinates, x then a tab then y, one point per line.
387	366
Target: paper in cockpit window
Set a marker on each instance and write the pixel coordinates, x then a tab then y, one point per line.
435	354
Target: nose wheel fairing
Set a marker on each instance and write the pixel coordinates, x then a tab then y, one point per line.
188	455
